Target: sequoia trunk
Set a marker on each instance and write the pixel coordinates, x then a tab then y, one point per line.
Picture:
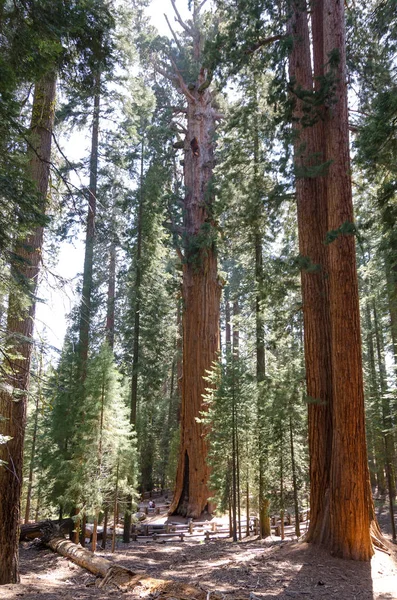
350	494
201	299
20	323
312	226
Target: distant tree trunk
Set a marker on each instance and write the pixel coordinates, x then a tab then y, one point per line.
247	496
115	509
83	529
34	440
85	306
234	464
282	507
85	309
111	293
387	423
376	471
294	479
137	291
105	528
200	289
95	532
20	323
391	276
235	375
263	502
137	316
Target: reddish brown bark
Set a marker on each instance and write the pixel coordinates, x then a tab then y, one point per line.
312	226
342	510
200	292
20	323
350	497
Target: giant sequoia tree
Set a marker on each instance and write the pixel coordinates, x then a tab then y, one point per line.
200	284
341	496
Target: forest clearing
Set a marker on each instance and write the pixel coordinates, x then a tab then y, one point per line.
246	570
198	293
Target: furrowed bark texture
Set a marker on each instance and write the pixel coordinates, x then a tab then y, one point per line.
201	299
312	226
342	515
20	322
350	495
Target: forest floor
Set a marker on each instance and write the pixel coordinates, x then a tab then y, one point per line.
250	570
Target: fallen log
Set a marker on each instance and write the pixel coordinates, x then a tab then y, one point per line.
30	531
122	577
82	557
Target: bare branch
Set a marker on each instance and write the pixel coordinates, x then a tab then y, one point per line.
173	34
354	128
165	74
202	4
179	19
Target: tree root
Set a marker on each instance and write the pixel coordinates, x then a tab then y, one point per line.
377	538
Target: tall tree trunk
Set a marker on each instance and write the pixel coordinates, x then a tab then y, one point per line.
373	426
20	323
137	313
386	422
341	506
115	509
391	277
105	527
312	226
34	440
200	290
263	502
111	292
137	307
351	506
294	479
85	309
282	507
235	375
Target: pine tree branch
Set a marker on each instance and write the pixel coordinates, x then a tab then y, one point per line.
263	42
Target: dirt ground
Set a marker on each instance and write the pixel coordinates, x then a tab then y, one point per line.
251	570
